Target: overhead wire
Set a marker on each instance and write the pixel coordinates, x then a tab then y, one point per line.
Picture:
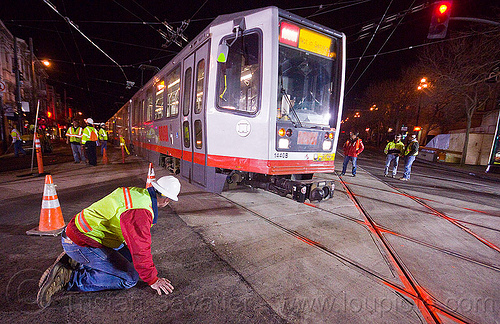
371	39
381	47
81	59
72	24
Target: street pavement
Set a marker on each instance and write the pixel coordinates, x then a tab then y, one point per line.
249	256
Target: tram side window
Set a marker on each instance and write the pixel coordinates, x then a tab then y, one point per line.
186	99
200	78
149	105
238	79
173	89
185	131
198	134
160	89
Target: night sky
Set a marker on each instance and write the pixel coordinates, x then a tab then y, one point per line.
126	30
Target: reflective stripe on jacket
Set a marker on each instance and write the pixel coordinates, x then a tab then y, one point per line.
74	134
101	220
89	135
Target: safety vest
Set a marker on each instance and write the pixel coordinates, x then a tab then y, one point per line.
392	147
412	148
89	134
101	220
74	134
16	136
103	135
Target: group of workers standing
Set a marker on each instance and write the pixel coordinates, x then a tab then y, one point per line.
84	140
393	150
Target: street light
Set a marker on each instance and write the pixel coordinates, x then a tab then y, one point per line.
423	85
46	63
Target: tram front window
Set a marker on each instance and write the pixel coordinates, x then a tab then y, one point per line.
305	88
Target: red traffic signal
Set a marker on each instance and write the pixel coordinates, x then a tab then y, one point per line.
417	128
440	18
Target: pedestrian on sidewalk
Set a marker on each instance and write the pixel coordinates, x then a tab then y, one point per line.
352	148
74	138
89	140
108	245
393	150
17	141
411	153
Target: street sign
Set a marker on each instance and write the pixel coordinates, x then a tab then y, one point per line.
2	87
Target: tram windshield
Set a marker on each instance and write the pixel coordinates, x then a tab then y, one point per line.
305	78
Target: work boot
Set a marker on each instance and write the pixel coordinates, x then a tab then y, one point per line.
65	259
56	280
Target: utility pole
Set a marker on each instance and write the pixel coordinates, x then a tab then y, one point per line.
17	93
33	78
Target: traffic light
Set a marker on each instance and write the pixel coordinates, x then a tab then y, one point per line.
440	19
417	128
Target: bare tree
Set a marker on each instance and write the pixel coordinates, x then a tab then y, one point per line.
460	68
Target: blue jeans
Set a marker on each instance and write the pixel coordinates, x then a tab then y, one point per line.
104	145
346	161
408	163
391	158
76	148
18	148
100	268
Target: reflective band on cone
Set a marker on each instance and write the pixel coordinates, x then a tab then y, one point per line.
51	218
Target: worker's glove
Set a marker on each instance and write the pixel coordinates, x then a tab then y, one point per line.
163	284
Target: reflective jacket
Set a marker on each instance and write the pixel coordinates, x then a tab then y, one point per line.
16	136
74	134
89	135
353	148
394	148
412	148
125	215
103	135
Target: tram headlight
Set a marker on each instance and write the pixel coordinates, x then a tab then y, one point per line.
327	145
283	143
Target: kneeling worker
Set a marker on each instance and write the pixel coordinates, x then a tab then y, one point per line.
108	245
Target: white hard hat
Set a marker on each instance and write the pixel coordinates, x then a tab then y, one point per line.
89	121
168	186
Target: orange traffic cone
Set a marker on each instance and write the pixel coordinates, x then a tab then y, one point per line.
151	176
51	218
104	156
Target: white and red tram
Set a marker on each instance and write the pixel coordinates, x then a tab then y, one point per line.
255	98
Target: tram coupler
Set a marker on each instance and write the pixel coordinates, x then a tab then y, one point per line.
313	190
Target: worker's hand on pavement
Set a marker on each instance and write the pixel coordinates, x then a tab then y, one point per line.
163	284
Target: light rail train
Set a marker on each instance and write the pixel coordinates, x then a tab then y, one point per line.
256	98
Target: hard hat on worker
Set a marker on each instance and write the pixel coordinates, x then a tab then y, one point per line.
89	121
168	186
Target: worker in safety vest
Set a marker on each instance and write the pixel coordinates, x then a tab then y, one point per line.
122	141
411	153
17	141
393	150
352	148
89	140
108	245
74	137
103	137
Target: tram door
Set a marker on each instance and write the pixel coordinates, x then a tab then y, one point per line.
194	160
